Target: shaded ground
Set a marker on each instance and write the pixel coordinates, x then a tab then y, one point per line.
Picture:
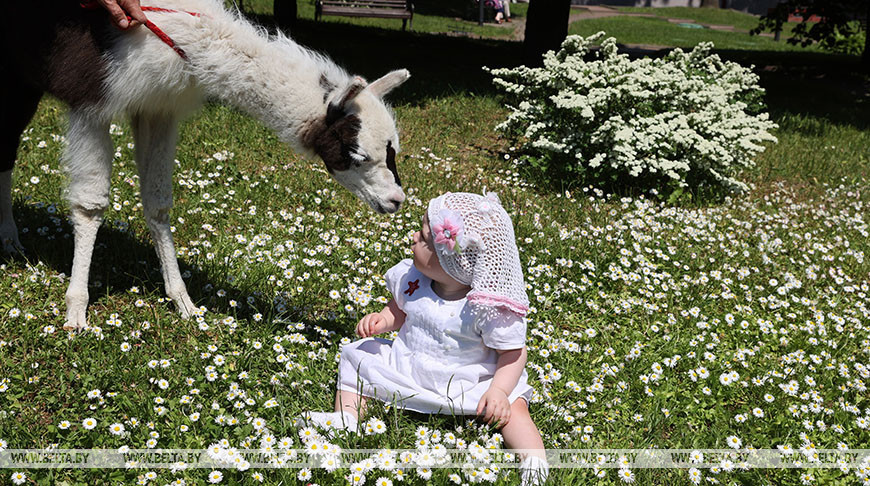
812	83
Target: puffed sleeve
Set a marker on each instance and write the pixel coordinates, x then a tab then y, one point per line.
396	277
501	329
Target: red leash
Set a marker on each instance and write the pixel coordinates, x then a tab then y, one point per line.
92	4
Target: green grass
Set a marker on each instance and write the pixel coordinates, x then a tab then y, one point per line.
715	16
461	22
660	32
664	281
813	149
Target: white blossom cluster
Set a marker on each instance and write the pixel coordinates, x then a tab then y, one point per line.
685	119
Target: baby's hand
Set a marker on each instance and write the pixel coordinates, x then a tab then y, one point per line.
497	406
370	325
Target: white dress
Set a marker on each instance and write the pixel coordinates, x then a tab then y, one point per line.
440	361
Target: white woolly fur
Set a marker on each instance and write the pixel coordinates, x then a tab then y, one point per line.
272	78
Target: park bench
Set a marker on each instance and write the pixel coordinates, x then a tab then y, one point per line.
386	9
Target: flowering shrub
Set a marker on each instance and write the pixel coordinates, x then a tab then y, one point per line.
688	119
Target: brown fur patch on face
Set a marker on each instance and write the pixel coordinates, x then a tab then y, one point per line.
334	142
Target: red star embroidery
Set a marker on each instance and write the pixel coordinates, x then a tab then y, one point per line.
412	286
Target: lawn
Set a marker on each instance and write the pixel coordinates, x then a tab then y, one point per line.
652	326
658	31
447	17
714	16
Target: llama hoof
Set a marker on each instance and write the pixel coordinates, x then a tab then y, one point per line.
10	243
185	306
13	248
75	321
76	310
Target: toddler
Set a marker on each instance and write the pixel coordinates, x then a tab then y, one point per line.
459	307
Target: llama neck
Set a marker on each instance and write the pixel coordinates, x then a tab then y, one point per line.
274	80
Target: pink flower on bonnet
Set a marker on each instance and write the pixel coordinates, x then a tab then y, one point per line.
448	230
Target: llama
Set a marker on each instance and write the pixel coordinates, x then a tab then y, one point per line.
101	73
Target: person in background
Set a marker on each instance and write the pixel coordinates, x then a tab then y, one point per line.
499	7
502	11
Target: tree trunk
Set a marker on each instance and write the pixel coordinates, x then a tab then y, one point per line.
865	57
710	3
546	28
285	13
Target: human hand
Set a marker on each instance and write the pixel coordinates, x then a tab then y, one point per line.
370	325
497	406
120	9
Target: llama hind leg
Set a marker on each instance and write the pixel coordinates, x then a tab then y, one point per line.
8	231
18	103
88	161
155	156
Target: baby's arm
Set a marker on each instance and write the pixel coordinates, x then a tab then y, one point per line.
389	319
509	368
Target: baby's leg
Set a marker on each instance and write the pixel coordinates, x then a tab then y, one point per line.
521	432
352	403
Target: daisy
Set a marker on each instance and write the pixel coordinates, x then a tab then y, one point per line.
378	426
734	442
626	475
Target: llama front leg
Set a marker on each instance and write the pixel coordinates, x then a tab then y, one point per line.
8	231
88	161
155	156
18	103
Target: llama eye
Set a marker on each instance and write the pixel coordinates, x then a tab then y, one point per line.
391	162
360	157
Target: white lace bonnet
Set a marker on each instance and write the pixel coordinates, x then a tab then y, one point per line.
475	243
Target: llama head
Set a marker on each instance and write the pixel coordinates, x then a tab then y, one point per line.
357	140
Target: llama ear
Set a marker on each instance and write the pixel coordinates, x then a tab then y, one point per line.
337	108
349	93
388	82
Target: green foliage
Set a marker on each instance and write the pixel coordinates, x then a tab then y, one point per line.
851	41
839	27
